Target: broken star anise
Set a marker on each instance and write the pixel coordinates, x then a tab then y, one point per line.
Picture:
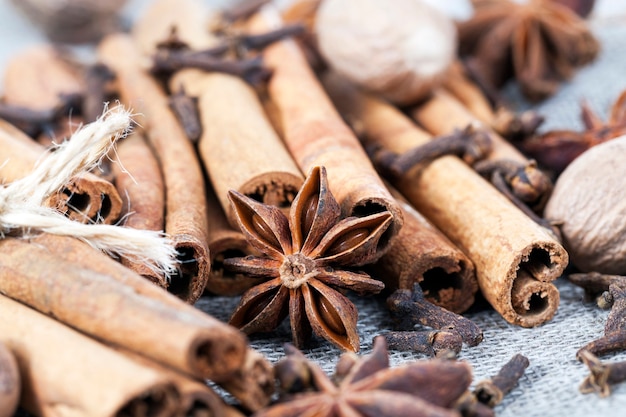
367	386
304	256
538	42
555	149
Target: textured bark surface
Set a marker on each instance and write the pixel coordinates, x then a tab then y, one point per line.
185	204
86	289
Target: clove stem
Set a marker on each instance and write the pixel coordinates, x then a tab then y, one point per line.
491	391
411	307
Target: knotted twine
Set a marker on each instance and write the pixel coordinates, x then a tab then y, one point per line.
23	214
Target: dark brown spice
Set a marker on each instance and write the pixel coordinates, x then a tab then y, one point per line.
469	144
33	122
409	308
491	391
97	91
539	43
602	376
431	342
367	386
185	108
556	149
304	260
594	283
611	342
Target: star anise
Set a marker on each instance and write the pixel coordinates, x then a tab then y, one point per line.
367	386
301	254
555	149
538	42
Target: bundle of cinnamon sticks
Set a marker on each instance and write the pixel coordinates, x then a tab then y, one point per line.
262	118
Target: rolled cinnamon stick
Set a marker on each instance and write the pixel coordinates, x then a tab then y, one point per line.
139	181
515	259
422	254
65	373
10	385
87	198
238	146
316	135
185	204
441	114
239	368
91	292
225	242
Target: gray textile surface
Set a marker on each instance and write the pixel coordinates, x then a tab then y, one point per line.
549	386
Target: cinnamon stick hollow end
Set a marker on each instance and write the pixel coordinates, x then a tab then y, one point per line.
193	267
532	299
422	254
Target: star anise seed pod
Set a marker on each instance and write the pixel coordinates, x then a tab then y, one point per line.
369	387
304	257
555	149
539	42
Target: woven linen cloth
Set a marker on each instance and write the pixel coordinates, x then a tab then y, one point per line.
550	384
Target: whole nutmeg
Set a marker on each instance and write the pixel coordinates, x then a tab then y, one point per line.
588	203
9	382
400	49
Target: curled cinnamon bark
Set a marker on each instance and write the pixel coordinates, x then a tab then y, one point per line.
139	181
225	242
315	134
87	198
100	297
54	385
505	246
442	114
422	254
185	205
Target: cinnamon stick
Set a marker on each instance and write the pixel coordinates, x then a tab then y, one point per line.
100	297
441	114
10	385
65	373
245	156
87	198
515	259
185	204
139	182
225	242
316	135
422	254
238	370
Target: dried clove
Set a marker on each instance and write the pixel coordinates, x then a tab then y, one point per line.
97	78
602	376
491	391
438	343
470	144
611	342
33	122
469	406
594	283
185	108
409	308
167	61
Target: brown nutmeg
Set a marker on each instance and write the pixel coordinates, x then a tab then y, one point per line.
400	49
9	382
589	205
